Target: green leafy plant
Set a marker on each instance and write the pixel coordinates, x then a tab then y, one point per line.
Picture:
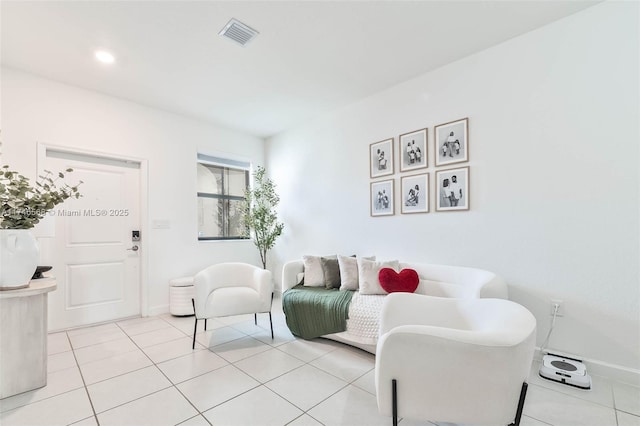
23	205
259	214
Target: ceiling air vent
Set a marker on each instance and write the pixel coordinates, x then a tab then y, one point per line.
238	32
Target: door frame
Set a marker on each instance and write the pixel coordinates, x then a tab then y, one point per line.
41	153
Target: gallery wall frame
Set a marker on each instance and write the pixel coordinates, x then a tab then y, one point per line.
382	198
412	150
381	158
452	189
415	194
451	142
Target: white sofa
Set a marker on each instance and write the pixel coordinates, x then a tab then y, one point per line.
435	280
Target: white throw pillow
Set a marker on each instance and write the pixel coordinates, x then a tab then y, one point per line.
368	271
349	271
313	274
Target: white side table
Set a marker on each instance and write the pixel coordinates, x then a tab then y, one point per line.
181	291
23	337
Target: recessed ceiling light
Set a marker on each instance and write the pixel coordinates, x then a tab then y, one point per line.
105	57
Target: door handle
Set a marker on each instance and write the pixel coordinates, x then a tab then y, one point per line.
134	248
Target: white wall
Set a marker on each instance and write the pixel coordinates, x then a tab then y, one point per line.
553	120
39	110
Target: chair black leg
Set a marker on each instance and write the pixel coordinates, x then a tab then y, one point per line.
523	395
271	324
255	319
205	324
270	319
394	401
195	326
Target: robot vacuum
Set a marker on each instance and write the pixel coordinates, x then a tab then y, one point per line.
565	370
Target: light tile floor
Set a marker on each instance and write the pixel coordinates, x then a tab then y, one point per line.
143	371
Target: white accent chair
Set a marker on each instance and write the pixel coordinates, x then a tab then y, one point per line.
229	289
453	360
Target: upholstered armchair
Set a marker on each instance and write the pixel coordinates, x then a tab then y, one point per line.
453	360
229	289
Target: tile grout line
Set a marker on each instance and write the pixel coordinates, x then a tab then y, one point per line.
308	363
229	363
119	375
615	405
265	383
573	396
303	414
102	359
160	390
132	371
84	383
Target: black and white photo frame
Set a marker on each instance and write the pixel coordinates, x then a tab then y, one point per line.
452	189
382	198
381	158
414	194
451	186
451	142
412	150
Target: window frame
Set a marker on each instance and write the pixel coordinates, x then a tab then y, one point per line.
226	165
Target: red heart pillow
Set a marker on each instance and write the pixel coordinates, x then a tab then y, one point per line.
406	281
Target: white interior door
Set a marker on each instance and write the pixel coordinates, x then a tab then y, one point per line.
94	259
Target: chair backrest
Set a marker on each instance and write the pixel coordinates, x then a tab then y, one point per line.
455	360
230	274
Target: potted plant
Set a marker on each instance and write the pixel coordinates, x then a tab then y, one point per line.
22	206
259	214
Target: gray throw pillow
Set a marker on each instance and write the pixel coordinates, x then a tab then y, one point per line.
331	272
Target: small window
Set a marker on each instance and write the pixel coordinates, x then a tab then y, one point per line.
221	186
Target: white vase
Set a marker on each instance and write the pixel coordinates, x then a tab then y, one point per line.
18	258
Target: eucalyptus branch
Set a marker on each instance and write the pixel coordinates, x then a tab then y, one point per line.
23	205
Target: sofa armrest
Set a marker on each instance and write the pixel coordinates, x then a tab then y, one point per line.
290	273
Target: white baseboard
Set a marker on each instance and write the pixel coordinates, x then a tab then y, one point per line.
596	367
613	372
157	310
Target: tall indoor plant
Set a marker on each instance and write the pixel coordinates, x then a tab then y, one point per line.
259	214
22	206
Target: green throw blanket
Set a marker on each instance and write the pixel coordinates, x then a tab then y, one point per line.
315	311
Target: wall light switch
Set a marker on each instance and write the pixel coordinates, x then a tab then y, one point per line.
161	224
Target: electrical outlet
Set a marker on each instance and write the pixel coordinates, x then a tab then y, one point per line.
560	304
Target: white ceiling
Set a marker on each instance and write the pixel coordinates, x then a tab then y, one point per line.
310	56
